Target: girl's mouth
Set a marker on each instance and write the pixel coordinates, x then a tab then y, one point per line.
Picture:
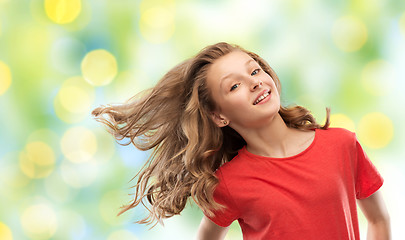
262	96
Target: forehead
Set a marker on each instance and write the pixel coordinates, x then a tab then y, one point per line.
227	63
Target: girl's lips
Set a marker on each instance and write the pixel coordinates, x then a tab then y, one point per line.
262	97
265	99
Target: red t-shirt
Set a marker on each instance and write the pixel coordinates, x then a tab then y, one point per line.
311	195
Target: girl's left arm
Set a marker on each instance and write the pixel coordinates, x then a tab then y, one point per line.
377	216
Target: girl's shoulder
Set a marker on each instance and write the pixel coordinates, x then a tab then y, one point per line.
339	137
338	133
235	165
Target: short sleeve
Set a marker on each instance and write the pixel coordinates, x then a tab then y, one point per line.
225	216
368	179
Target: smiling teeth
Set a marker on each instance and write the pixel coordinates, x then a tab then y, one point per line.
261	98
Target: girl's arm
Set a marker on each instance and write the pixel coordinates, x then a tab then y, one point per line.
376	213
208	230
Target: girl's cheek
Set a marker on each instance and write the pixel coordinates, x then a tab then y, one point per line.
239	100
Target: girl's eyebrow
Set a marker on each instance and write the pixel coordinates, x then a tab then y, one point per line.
231	74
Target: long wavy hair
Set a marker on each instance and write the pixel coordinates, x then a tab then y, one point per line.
174	119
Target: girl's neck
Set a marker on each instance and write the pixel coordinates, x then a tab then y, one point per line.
276	139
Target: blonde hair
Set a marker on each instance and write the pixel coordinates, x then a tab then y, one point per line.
173	119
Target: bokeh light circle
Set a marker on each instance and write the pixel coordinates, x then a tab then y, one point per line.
63	11
12	179
40	153
157	24
122	234
5	77
99	67
105	145
377	77
37	160
39	221
79	144
73	102
46	135
349	33
375	130
342	121
5	232
57	189
74	226
74	99
79	175
109	207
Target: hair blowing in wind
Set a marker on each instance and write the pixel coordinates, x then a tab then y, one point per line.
173	119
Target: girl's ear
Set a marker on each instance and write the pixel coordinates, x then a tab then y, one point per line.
219	120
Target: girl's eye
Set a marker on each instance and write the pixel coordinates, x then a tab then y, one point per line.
256	71
234	86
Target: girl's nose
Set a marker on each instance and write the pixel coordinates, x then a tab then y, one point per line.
256	84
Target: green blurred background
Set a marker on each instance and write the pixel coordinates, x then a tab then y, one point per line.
63	177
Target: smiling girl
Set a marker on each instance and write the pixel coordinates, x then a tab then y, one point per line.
220	135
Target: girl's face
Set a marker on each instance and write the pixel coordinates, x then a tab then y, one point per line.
245	95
